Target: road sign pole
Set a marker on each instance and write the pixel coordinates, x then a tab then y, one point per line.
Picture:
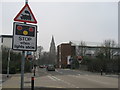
26	1
8	63
22	69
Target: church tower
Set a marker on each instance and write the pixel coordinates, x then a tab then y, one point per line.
52	52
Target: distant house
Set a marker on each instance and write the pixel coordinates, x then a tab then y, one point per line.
6	41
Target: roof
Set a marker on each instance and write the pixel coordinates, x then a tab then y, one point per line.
6	36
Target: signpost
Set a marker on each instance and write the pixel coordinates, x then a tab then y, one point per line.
24	35
25	15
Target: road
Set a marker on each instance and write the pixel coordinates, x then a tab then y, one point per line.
64	78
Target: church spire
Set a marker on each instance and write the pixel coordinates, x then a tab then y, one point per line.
52	51
52	46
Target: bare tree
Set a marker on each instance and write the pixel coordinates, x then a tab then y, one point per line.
108	48
40	48
39	54
81	49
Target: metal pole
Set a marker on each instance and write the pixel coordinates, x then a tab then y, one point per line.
34	64
23	62
8	63
22	69
26	1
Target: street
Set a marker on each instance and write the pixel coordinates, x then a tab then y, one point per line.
63	78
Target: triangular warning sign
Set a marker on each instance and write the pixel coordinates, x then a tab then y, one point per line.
25	15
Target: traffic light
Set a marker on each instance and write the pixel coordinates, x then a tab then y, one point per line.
25	30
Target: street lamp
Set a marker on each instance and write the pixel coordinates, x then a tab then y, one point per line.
8	62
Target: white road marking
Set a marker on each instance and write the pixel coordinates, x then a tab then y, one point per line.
57	79
51	78
64	81
59	72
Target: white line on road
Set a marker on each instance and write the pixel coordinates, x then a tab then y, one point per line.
57	79
59	72
51	78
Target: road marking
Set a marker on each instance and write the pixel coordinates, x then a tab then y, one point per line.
59	72
57	79
51	78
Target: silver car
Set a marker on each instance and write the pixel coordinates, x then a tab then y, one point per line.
50	67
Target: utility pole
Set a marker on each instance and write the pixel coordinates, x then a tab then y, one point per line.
8	63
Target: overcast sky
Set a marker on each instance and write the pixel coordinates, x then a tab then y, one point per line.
66	21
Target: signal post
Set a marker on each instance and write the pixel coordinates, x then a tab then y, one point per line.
24	35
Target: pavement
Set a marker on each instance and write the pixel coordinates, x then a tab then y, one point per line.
15	81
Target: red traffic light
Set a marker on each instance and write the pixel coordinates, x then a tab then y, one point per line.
31	29
19	27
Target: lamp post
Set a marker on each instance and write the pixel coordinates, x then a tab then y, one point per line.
8	63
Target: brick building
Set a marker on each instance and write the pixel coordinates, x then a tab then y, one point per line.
63	51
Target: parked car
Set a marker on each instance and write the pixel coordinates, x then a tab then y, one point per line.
50	67
42	66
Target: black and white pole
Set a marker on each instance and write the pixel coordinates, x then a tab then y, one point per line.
101	72
32	83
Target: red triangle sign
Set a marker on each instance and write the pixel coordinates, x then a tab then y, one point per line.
25	15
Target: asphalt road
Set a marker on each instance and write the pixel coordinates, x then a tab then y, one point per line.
66	78
62	78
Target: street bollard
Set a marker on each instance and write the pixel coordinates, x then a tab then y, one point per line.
34	72
32	83
101	72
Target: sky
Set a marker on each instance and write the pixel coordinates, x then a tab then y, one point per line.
78	20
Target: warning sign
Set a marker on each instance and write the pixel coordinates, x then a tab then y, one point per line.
24	37
25	15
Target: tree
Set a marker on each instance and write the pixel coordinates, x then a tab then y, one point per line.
15	60
81	49
39	49
108	51
44	58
